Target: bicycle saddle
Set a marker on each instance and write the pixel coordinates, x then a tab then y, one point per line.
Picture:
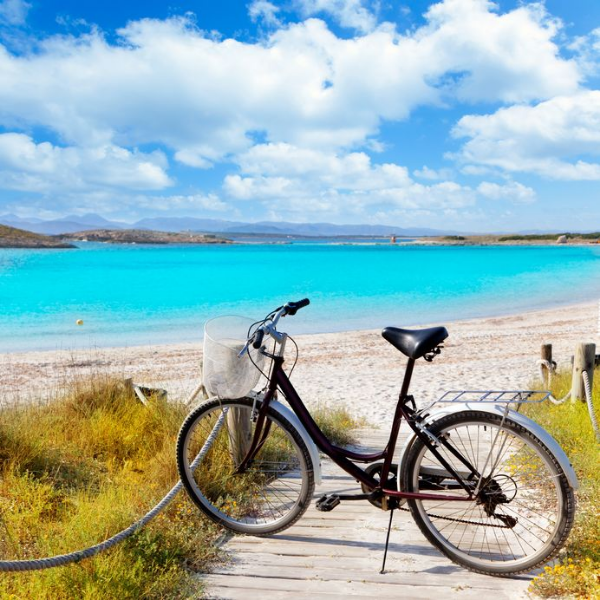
415	343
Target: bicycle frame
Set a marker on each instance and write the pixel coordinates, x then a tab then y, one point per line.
342	457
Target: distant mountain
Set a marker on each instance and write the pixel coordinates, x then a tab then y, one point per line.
77	223
94	220
70	224
279	228
186	224
329	229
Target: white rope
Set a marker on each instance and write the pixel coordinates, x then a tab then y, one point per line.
590	405
63	559
550	369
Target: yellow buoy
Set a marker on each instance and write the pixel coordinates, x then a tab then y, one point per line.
79	322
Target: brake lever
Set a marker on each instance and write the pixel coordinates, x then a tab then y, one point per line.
244	349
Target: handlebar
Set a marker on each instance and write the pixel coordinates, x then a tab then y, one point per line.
258	338
293	307
269	326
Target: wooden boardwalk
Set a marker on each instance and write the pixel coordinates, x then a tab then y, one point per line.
338	554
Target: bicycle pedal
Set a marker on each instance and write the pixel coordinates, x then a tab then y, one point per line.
327	503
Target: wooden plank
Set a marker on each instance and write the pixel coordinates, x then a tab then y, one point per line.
370	575
263	588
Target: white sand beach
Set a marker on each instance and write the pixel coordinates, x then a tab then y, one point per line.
358	369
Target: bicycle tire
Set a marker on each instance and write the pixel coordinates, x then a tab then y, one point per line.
521	481
271	495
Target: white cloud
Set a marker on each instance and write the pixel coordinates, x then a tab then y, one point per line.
306	182
261	188
13	12
313	99
587	50
513	191
432	174
262	10
27	166
348	13
487	56
181	203
164	81
558	138
352	171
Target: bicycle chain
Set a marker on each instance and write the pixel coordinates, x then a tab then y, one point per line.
461	520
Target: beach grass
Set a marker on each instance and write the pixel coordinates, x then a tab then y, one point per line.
77	470
577	572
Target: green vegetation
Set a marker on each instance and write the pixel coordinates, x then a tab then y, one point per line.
80	469
455	238
337	424
549	236
143	236
577	574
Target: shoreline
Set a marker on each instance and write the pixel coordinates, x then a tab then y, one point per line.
348	329
358	369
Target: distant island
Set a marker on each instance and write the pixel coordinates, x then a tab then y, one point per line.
514	240
11	237
142	236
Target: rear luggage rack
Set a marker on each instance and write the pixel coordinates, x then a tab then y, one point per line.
506	397
503	396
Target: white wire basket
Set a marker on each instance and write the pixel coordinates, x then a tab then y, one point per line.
224	373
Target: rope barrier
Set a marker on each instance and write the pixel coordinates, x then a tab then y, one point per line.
63	559
550	369
588	397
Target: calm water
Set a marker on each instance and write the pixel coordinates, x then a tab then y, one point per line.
129	295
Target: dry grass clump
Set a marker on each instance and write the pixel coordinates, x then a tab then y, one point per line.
76	471
80	469
577	573
337	424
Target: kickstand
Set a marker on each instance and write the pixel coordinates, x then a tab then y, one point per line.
387	542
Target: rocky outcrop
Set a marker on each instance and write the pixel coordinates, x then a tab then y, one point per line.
143	236
11	237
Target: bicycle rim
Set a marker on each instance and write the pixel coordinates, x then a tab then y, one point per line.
270	495
524	508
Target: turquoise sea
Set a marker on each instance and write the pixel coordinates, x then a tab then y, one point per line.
129	295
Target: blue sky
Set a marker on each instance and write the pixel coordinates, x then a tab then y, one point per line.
461	114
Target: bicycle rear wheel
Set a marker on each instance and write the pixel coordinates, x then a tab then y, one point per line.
271	494
524	508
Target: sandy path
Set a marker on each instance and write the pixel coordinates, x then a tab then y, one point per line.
358	368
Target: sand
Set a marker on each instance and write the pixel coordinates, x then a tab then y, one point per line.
356	369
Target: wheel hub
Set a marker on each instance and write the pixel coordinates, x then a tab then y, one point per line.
500	489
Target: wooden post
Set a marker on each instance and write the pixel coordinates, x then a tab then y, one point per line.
547	356
585	355
240	433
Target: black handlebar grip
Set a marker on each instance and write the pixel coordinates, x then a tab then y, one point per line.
301	303
293	307
258	338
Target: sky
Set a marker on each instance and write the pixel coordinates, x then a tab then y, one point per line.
468	115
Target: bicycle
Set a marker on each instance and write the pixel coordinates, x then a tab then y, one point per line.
486	485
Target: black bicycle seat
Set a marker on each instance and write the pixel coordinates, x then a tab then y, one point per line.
415	343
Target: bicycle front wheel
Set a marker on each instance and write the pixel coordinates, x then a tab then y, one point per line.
271	494
524	506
